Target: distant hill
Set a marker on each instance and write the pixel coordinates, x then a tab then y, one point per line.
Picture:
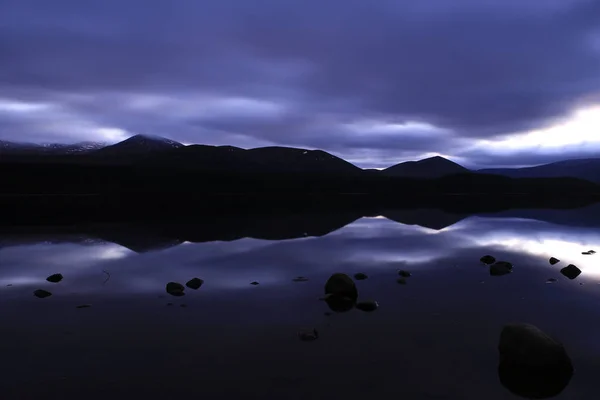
433	167
138	145
48	149
588	168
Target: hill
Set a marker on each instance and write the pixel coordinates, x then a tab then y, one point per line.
433	167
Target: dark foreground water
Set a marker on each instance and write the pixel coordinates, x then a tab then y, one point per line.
435	337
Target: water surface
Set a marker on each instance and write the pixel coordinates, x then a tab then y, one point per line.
435	337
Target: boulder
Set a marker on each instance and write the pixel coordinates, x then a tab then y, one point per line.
487	259
570	271
531	363
194	283
553	260
55	278
338	303
501	268
341	285
175	289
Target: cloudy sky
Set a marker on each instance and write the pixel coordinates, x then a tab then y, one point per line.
483	82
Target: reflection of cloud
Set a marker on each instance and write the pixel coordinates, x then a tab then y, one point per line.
369	244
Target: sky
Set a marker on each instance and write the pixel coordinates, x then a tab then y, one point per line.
484	83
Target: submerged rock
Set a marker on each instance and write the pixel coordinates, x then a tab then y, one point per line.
341	285
308	335
487	259
368	305
360	276
254	283
587	253
175	289
404	273
401	281
55	278
570	271
501	268
41	293
194	283
551	280
300	279
83	306
531	363
553	260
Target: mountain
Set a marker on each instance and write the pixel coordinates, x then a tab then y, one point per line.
137	145
263	159
588	169
48	149
433	167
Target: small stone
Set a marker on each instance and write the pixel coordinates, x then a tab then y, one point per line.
175	289
194	283
487	259
551	280
308	335
501	268
254	283
401	281
553	260
55	278
300	279
41	293
587	253
83	306
404	273
570	271
591	252
368	305
360	276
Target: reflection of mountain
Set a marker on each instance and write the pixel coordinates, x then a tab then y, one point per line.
427	218
146	234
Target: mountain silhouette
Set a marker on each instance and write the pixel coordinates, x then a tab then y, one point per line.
138	145
48	149
588	168
433	167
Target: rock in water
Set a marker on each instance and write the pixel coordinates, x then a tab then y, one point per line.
570	271
254	283
501	268
339	303
194	283
532	364
42	294
83	306
404	274
360	276
175	289
300	279
553	260
369	305
308	335
591	251
55	278
587	253
487	259
341	285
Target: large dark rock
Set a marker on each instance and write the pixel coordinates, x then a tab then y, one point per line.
175	289
501	268
487	259
338	303
341	285
553	260
531	363
194	283
55	278
570	271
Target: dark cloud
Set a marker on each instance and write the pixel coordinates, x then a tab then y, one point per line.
300	71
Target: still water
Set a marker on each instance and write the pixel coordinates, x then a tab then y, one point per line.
434	337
